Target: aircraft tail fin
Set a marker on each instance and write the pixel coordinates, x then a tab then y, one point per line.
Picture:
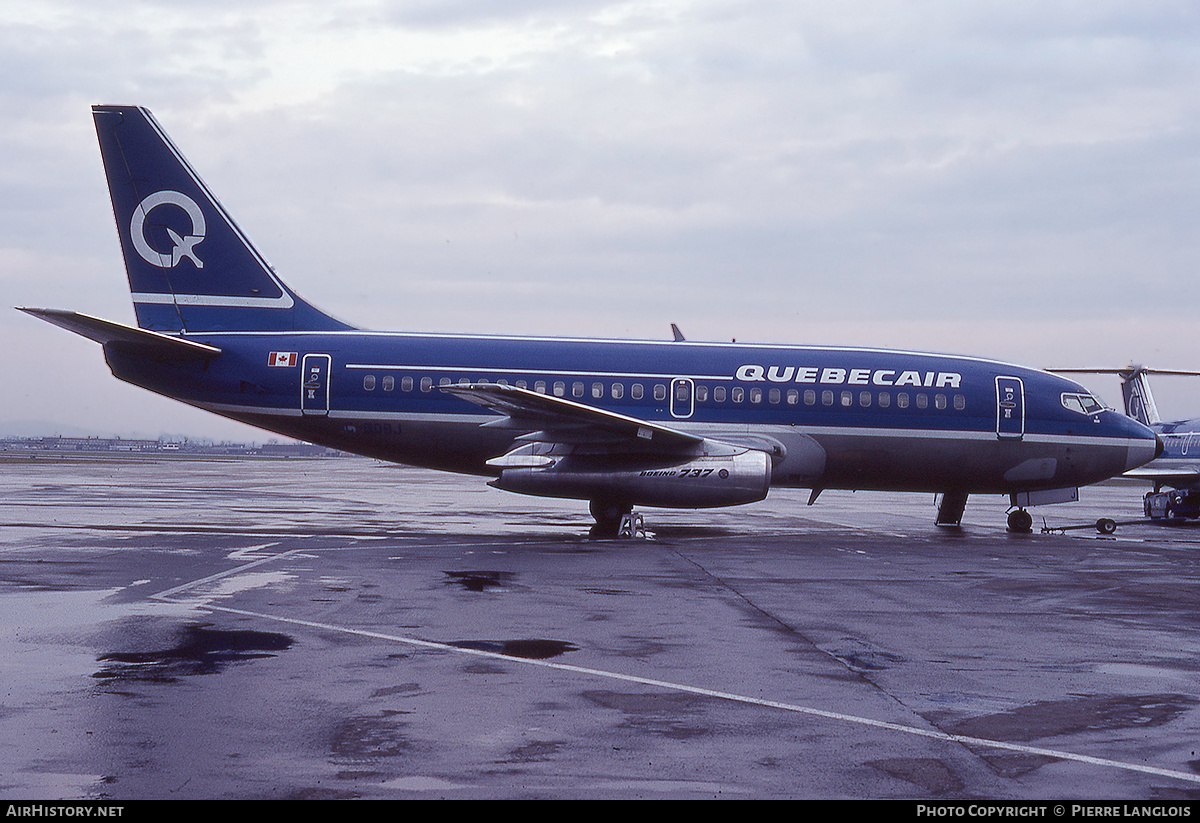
1139	400
190	267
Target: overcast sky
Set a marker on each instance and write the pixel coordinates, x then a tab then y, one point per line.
1010	179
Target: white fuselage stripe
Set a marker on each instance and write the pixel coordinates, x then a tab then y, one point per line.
284	301
699	428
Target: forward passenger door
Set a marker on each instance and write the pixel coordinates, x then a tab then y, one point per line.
1010	408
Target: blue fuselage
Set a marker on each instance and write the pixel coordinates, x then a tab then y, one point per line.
830	417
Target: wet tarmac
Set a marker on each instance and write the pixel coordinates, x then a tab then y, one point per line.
346	629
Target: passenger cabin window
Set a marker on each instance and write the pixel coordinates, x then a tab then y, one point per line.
389	383
865	399
369	382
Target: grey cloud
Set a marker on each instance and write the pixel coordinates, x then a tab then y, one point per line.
817	172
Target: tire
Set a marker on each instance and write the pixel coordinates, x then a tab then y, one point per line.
608	517
1020	522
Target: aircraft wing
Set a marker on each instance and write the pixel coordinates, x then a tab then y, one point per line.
104	332
555	419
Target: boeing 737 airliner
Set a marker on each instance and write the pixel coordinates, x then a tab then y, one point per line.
617	423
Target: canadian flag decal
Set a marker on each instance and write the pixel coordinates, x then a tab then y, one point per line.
282	358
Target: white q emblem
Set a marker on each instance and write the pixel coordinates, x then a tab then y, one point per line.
184	246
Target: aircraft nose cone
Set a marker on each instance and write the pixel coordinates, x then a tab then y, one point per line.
1145	448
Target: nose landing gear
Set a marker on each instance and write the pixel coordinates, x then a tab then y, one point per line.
1020	521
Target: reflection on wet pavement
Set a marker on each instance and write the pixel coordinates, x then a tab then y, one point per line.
201	650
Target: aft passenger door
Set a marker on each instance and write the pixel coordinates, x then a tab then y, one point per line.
1010	408
314	383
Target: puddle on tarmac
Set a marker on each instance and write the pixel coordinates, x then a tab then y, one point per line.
478	581
528	649
201	650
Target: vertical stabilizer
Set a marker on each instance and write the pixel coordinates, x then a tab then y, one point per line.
190	267
1139	401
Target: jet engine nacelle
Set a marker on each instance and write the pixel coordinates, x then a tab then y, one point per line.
640	480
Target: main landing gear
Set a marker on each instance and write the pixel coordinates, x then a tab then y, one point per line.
615	520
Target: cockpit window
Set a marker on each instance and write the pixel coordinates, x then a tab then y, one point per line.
1081	403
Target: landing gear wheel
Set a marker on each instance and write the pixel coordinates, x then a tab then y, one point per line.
608	517
1020	522
1106	526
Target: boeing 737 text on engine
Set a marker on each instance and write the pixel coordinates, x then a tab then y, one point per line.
617	423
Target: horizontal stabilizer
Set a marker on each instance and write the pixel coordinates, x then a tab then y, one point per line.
105	331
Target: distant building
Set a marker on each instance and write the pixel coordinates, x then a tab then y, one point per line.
31	446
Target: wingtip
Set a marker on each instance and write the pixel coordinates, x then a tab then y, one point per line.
31	310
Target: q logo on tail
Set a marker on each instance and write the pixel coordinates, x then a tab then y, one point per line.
184	246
